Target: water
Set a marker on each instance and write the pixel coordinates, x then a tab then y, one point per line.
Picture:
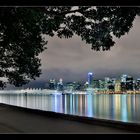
120	107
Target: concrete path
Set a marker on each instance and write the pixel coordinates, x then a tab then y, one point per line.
18	121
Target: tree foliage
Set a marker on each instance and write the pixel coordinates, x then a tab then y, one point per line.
21	30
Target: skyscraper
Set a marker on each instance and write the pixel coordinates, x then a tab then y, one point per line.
127	82
118	86
137	84
90	78
123	78
60	85
52	84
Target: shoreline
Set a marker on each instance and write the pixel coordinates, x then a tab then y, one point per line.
128	126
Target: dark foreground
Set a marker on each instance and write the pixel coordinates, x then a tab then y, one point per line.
17	120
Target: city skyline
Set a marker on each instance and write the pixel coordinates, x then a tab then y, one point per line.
63	68
75	57
71	59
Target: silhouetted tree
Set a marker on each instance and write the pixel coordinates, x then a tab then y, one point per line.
22	30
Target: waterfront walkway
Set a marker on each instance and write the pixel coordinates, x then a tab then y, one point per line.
14	120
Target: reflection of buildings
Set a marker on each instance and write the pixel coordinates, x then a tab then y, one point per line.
117	106
89	106
58	103
124	113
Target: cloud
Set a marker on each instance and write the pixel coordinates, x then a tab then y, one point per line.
73	58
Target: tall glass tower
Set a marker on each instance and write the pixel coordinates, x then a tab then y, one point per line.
90	78
123	78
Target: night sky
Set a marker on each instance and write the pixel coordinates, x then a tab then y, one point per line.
71	59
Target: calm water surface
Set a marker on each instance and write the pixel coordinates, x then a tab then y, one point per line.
120	107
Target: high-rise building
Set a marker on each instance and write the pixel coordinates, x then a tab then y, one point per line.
110	83
52	84
117	86
90	78
107	79
86	85
61	81
96	84
123	78
123	82
137	84
129	83
60	86
113	81
102	84
69	86
107	83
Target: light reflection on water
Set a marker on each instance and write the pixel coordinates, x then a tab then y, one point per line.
116	107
